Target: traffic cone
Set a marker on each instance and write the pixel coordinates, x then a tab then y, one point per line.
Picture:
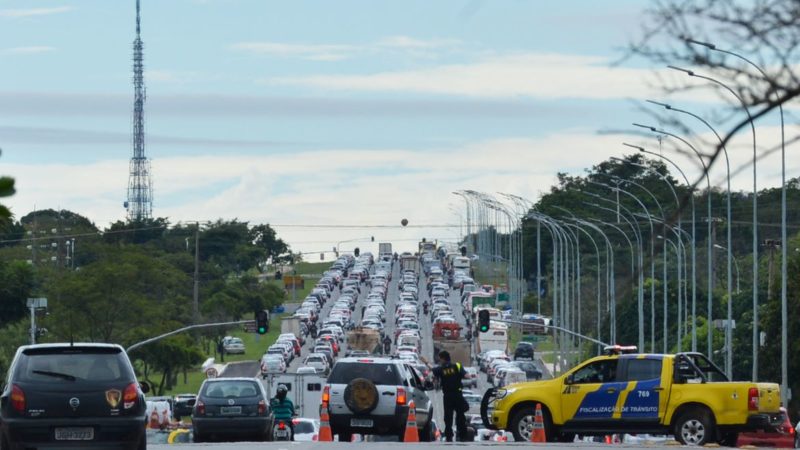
154	420
325	433
538	434
411	434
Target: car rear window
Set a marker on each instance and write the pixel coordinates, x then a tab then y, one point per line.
381	374
59	367
230	389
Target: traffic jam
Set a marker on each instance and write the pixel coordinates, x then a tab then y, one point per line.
405	347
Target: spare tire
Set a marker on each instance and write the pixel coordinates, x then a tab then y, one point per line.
361	396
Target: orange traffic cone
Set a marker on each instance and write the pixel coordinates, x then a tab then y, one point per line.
325	433
411	434
154	420
538	434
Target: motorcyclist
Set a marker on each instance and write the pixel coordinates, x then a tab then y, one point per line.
387	345
425	307
312	330
282	408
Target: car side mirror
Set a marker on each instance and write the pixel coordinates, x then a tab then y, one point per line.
191	402
144	386
570	379
428	385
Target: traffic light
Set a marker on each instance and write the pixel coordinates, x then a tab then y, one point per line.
262	322
483	320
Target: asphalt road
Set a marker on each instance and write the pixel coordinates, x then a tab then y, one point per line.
420	446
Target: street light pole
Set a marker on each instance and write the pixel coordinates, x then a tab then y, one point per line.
652	256
638	236
755	211
784	242
709	240
729	226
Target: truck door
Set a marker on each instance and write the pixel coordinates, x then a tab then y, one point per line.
644	398
590	393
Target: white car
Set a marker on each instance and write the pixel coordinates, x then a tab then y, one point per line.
305	430
318	362
233	345
272	364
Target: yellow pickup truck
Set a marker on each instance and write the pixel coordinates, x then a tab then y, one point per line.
685	395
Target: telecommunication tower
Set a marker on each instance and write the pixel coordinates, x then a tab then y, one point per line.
140	188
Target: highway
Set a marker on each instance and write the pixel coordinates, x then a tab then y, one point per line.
251	368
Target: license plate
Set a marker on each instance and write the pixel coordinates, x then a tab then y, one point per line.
281	433
361	423
230	410
74	434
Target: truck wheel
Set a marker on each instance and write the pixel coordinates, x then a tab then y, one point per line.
521	425
694	427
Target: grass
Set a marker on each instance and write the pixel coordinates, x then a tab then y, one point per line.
255	345
309	268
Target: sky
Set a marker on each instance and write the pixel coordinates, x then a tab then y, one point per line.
333	121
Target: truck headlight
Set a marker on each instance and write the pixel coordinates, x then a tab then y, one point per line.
503	393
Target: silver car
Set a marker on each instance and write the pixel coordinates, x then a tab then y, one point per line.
372	396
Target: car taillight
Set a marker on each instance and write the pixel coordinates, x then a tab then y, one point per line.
130	395
262	406
326	396
401	396
752	399
200	407
17	399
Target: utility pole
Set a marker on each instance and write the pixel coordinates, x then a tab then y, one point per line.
196	293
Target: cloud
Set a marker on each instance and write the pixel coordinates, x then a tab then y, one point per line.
546	76
15	104
339	52
61	136
31	12
314	52
30	50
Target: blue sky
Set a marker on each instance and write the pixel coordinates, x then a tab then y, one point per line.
315	111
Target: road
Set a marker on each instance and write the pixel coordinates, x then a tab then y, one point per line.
419	446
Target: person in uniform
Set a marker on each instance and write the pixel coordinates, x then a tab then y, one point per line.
450	376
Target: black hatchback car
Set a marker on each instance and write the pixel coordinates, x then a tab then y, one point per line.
231	408
524	350
72	396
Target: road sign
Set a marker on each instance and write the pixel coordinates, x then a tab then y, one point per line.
290	281
250	327
534	338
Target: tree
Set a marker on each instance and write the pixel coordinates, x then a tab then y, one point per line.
121	294
6	190
16	285
265	237
764	31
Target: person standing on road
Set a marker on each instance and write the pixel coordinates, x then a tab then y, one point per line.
450	376
221	350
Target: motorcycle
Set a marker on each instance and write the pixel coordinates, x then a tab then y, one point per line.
387	347
282	431
425	308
